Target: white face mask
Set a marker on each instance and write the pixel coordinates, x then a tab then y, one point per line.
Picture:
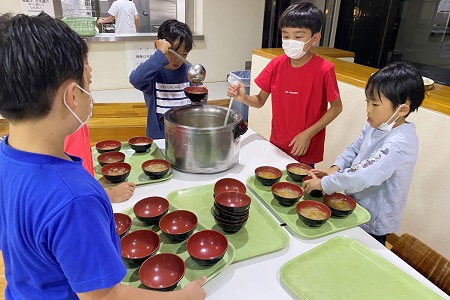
73	113
294	48
386	126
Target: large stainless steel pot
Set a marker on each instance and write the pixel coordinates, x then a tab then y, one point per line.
198	142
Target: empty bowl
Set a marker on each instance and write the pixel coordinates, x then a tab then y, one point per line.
162	271
151	209
297	171
196	93
108	145
116	172
110	157
286	193
123	223
340	205
140	143
313	193
138	245
233	201
178	225
156	168
229	185
268	175
313	213
207	247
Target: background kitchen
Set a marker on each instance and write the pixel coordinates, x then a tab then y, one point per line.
227	31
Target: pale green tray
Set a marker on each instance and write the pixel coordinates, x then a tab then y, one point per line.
193	270
289	215
135	160
342	268
262	234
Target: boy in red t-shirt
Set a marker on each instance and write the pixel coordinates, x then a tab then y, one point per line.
302	85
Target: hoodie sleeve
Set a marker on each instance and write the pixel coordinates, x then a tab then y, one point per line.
142	77
346	158
370	172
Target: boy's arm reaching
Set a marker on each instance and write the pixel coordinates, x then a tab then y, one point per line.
370	172
192	291
237	91
300	143
142	77
346	158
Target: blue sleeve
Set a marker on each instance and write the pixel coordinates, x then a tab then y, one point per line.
370	172
346	158
83	240
142	77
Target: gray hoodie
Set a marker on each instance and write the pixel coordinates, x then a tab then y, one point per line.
376	170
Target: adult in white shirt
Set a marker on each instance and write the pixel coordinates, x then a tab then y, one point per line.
125	14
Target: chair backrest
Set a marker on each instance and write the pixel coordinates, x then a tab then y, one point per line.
425	260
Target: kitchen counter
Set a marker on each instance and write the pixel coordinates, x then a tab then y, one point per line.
437	99
131	37
259	278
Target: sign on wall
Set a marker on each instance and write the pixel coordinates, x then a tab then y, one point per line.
35	7
135	54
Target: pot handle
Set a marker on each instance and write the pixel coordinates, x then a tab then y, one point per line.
240	129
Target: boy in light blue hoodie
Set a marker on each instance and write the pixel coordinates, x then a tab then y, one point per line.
377	168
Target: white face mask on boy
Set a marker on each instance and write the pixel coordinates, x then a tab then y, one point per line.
386	126
294	48
73	113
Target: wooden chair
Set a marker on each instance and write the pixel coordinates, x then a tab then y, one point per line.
425	260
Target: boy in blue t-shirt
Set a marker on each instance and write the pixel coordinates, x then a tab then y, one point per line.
377	168
163	77
57	232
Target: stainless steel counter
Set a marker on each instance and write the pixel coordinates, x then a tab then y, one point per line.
130	37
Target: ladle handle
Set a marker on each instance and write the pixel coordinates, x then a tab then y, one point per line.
228	112
180	57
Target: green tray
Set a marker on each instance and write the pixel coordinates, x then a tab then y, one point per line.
193	270
262	234
342	268
135	160
289	215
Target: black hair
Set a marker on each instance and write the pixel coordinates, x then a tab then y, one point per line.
398	81
176	33
302	15
37	54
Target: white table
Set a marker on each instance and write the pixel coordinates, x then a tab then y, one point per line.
258	278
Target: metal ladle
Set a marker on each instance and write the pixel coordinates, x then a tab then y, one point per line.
196	73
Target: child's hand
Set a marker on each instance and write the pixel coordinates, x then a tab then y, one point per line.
163	45
322	172
193	290
237	91
300	143
312	184
121	192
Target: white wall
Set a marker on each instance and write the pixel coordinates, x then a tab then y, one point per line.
230	35
427	211
12	6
